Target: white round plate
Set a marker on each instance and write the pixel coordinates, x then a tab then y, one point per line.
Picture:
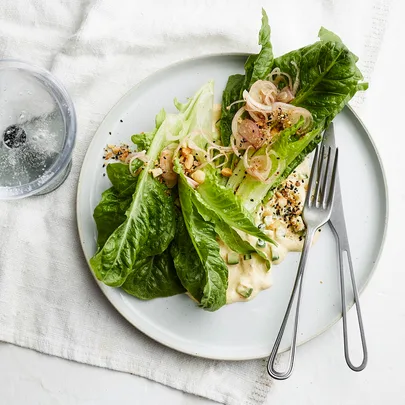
242	330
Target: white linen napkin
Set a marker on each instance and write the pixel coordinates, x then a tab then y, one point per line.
48	299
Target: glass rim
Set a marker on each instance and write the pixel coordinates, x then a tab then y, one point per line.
61	96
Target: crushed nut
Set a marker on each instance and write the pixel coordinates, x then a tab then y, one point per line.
188	164
282	202
186	151
117	152
124	156
198	176
274	131
156	172
297	224
283	212
227	172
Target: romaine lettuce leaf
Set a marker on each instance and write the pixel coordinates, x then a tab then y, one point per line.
227	206
219	214
227	234
109	214
196	254
288	147
328	76
232	92
257	67
328	79
147	231
197	258
153	277
121	178
150	224
110	211
292	166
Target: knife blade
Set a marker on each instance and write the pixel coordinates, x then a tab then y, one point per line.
338	225
337	219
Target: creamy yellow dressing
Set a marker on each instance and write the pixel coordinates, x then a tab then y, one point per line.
248	275
287	239
252	275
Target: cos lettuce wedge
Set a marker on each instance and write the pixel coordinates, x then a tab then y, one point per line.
149	224
313	83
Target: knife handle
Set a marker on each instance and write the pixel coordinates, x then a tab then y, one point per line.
344	311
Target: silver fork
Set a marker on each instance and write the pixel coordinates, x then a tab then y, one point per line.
317	211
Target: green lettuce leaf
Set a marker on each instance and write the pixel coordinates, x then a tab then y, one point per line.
227	206
197	258
292	165
222	223
121	178
196	255
257	67
153	277
226	233
143	140
149	226
232	92
328	78
109	214
251	191
110	211
147	231
326	35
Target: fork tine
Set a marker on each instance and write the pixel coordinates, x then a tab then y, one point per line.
308	198
320	176
325	178
332	183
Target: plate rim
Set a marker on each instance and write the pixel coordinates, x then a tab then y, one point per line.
160	339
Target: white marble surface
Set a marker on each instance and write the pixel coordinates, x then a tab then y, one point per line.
321	375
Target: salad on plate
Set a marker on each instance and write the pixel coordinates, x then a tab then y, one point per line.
212	197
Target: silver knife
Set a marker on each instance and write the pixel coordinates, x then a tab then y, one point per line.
338	225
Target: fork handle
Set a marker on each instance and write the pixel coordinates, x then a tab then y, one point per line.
282	375
344	310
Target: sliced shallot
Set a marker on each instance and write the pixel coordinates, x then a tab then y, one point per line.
192	182
285	95
249	131
298	112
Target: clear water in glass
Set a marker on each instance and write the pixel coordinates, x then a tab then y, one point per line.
37	131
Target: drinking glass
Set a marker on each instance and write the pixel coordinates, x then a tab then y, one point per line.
37	130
